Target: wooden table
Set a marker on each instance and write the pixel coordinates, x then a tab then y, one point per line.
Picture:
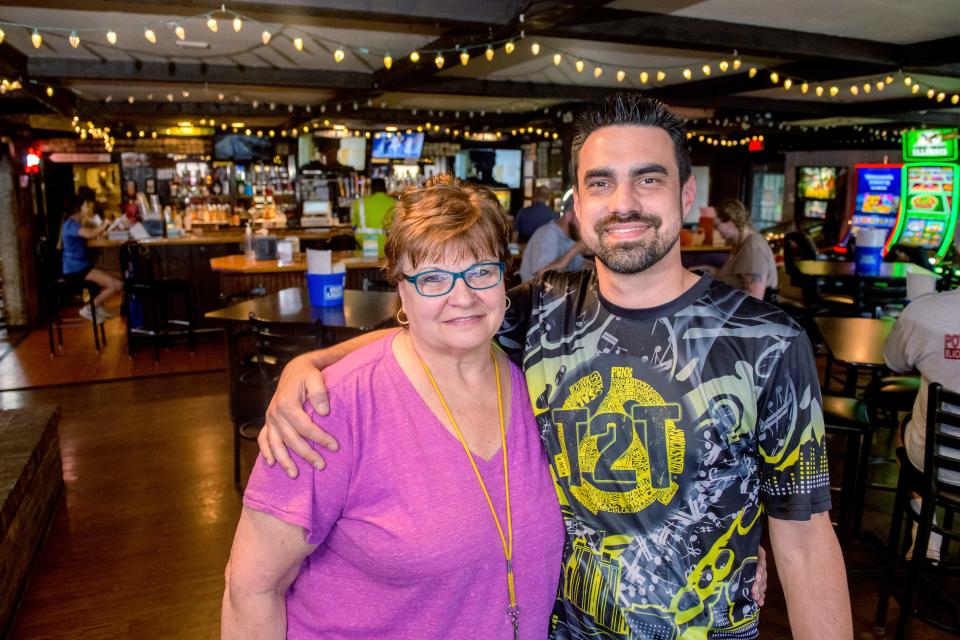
856	342
361	311
237	275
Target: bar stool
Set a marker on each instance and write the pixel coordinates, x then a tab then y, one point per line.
143	286
57	291
275	345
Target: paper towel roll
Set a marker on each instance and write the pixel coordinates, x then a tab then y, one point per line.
318	261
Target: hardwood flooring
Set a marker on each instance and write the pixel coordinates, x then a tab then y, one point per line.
138	546
27	362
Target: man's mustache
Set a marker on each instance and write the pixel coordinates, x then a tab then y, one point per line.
635	216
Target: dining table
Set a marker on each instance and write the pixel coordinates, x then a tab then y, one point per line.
855	342
361	311
239	276
848	270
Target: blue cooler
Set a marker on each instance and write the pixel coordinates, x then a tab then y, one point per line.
326	289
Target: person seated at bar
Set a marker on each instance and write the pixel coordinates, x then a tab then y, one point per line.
77	228
531	218
926	338
556	246
751	266
439	516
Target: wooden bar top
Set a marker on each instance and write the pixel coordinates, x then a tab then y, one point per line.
229	237
239	264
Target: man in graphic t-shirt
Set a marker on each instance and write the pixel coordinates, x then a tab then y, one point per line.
674	410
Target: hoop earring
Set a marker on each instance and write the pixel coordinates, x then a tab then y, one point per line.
508	303
405	321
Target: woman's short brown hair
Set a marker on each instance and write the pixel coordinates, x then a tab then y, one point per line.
443	213
732	210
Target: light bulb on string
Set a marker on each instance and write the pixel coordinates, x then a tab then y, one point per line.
819	91
941	96
736	64
298	43
488	53
265	37
955	99
112	36
338	55
854	90
621	75
180	31
644	76
787	83
464	57
509	47
49	92
36	39
597	72
579	66
834	90
414	56
150	35
804	87
930	93
439	60
915	88
661	76
706	70
908	81
237	24
687	74
752	72
774	77
866	87
387	62
3	34
535	48
557	58
74	39
212	24
724	65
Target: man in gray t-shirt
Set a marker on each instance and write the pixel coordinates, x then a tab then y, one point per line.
551	247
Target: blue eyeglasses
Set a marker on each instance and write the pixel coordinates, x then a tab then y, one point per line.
439	282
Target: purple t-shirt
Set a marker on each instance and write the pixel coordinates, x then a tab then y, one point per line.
408	548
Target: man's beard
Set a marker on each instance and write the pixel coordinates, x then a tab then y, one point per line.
636	255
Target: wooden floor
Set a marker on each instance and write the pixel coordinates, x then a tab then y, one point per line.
29	363
138	546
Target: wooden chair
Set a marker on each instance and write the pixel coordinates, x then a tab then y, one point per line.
925	587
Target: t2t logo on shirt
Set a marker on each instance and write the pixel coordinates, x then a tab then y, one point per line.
623	455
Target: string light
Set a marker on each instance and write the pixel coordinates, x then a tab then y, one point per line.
464	57
150	35
439	61
687	74
112	36
509	47
265	37
787	84
3	34
74	39
752	72
774	77
387	62
237	24
724	65
706	70
661	76
644	76
621	75
488	53
180	31
338	55
212	24
49	92
36	39
557	58
535	48
298	43
414	57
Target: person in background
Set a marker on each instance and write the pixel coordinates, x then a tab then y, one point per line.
439	513
370	212
77	267
926	338
531	218
751	266
555	246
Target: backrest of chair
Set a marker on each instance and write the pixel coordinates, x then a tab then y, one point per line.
137	262
942	446
876	293
277	344
797	246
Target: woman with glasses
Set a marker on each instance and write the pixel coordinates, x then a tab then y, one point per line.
439	517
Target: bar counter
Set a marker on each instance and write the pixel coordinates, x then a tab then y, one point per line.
238	274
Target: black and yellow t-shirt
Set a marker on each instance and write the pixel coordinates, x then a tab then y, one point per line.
667	429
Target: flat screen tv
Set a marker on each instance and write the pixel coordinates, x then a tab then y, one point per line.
398	146
491	167
231	146
817	183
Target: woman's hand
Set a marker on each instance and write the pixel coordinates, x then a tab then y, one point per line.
287	424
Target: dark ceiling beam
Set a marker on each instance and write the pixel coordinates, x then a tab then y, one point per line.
676	32
15	66
932	52
141	72
444	14
950	70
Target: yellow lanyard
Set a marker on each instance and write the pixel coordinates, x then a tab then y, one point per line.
507	542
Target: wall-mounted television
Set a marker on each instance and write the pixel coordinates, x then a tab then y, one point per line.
231	146
398	146
491	167
817	183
